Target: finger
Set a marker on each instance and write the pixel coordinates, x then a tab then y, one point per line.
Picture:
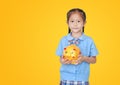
76	63
64	61
79	61
68	62
80	55
79	58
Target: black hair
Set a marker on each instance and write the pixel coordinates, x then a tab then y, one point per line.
82	13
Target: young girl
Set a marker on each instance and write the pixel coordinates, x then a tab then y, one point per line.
76	74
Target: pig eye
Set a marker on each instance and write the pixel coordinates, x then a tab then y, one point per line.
65	51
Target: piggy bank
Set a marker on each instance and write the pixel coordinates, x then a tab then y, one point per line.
71	53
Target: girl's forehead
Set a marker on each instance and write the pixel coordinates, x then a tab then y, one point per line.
76	15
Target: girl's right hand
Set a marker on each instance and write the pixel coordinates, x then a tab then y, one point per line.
64	61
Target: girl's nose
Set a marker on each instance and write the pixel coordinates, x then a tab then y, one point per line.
75	24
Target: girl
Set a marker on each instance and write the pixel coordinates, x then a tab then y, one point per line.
76	74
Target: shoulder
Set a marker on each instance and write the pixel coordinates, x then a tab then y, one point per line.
63	39
88	38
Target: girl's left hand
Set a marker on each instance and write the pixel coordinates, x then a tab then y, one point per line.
80	60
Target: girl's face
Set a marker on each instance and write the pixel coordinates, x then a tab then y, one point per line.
75	23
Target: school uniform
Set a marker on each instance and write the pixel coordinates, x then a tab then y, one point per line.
71	74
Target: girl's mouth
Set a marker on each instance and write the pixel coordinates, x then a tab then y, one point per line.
75	28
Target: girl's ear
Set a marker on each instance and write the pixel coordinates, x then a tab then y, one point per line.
67	22
85	22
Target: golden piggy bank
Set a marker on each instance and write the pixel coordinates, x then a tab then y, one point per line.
71	52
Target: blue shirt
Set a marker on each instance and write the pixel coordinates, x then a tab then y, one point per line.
81	71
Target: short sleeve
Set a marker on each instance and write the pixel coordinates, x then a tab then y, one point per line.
59	49
93	49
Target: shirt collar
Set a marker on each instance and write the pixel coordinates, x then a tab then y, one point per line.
69	37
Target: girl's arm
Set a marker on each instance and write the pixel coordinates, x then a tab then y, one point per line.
91	59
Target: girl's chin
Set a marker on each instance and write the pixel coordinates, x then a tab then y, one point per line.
76	31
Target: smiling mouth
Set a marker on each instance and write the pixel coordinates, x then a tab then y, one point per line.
75	28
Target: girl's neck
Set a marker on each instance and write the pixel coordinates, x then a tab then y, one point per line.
76	35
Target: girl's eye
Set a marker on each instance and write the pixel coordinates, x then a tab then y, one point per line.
72	21
78	21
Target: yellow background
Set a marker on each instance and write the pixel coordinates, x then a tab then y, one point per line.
30	31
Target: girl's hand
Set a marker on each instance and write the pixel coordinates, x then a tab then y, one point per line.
64	61
80	60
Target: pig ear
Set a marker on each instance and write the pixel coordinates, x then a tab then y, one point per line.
64	48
